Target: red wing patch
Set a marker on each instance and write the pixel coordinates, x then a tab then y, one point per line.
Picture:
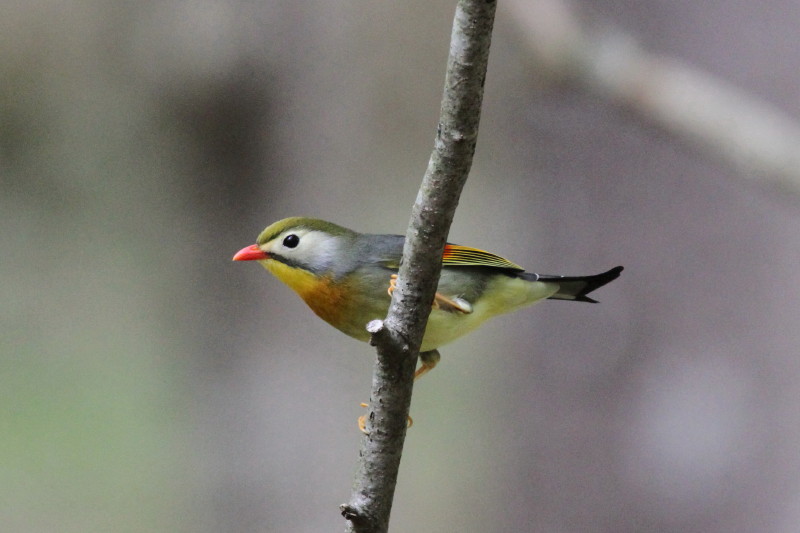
455	255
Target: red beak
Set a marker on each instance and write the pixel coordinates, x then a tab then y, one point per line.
250	253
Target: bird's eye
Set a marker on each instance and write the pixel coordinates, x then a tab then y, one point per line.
291	241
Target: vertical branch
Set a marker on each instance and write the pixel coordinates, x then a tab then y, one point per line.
399	337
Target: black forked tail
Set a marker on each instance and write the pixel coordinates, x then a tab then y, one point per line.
576	288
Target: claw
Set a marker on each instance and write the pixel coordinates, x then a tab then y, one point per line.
362	421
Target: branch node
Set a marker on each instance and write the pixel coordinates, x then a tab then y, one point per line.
375	326
378	330
352	513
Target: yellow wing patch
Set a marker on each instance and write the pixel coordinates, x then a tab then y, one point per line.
455	255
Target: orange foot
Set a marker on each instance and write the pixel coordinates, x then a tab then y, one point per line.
362	421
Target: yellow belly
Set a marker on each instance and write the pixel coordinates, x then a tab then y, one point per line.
502	295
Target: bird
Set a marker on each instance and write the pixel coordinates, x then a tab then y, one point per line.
347	279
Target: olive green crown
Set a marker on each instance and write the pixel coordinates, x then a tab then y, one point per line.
281	226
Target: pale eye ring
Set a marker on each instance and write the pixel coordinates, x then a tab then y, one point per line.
291	241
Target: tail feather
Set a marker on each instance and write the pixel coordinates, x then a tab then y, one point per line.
576	288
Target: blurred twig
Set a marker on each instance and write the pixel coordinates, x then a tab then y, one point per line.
399	337
755	138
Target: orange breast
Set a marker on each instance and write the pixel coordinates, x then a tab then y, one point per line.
326	298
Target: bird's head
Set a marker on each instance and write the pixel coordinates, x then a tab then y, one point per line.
308	244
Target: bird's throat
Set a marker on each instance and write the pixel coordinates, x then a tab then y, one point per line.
325	297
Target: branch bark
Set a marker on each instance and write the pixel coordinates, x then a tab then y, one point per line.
398	338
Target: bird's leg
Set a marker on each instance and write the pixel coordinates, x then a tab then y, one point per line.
428	360
440	301
451	305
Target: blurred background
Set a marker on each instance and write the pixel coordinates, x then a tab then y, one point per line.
150	384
